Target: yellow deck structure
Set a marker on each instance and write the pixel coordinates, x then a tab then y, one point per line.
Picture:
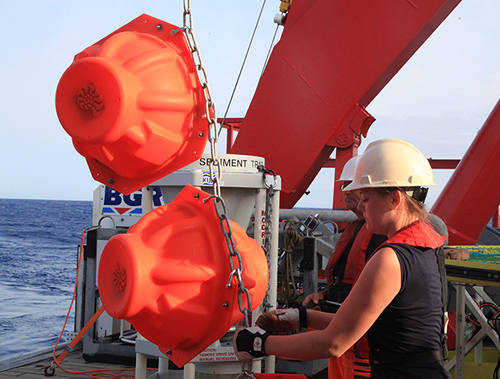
469	277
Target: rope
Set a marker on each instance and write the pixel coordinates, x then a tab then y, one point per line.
96	374
288	290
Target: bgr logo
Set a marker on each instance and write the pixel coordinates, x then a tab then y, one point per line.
117	203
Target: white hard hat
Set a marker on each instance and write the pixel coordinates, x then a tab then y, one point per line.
348	170
391	163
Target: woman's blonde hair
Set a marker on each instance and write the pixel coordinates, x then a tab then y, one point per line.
414	207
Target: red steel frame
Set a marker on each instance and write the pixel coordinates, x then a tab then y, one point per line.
442	204
332	60
234	125
471	196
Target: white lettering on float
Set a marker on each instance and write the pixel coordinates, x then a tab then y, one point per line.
219	354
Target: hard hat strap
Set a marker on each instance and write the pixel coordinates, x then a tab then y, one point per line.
418	193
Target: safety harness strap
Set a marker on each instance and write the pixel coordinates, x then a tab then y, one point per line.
444	289
394	358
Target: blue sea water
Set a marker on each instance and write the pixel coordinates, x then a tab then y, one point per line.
38	258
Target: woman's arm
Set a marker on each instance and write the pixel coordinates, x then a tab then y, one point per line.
377	285
318	320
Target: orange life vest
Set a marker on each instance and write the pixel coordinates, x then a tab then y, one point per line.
349	365
355	261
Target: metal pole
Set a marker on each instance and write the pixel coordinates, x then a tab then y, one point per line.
323	214
142	359
273	270
189	371
163	365
259	228
460	334
147	199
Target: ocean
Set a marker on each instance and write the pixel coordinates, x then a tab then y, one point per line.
38	258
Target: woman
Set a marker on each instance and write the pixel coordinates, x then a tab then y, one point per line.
397	300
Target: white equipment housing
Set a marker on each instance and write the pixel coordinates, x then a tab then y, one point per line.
243	189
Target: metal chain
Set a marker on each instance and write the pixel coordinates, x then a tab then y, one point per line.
214	164
238	270
246	370
210	113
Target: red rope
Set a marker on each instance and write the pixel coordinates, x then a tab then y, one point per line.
96	374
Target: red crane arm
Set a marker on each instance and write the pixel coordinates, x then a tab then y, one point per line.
471	196
332	60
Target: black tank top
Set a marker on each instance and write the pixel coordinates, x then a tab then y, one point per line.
413	320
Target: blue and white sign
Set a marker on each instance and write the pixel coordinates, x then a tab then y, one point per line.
207	180
125	210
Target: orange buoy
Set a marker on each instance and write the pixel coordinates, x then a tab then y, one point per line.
168	276
134	106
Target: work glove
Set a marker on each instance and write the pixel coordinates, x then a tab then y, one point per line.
248	343
312	300
283	321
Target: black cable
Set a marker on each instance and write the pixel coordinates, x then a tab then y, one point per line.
269	52
497	368
242	65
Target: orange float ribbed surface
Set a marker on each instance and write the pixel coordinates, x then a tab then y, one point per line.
134	106
168	275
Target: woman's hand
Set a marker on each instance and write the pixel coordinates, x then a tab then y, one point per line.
280	321
249	343
314	298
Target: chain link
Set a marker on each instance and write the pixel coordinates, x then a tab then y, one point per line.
210	113
214	164
236	270
246	370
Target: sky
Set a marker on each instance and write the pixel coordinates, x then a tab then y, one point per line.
438	101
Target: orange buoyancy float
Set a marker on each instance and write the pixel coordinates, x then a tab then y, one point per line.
134	106
168	276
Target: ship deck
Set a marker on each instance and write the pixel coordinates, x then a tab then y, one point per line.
74	363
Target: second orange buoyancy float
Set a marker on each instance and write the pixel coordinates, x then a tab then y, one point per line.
169	275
